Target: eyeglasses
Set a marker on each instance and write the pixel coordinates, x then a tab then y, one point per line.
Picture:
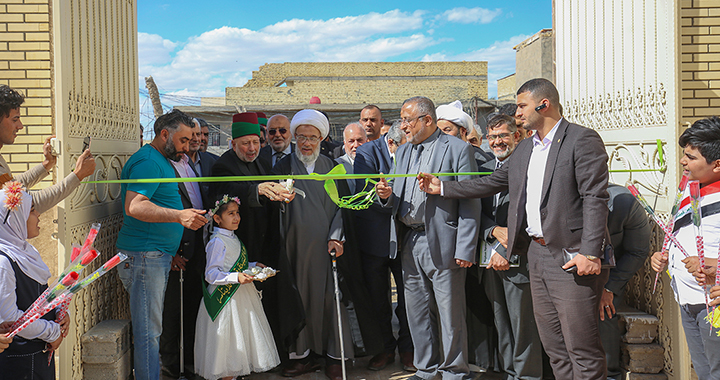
501	136
301	139
408	121
282	131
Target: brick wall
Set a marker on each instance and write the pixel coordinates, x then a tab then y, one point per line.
506	88
700	34
379	82
25	66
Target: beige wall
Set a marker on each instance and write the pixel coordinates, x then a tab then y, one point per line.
534	58
700	20
357	83
25	65
506	88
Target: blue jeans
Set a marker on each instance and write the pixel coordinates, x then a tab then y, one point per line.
145	276
704	345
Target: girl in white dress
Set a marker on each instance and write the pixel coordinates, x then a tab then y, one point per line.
233	337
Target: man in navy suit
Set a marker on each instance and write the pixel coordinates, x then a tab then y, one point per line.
374	157
279	140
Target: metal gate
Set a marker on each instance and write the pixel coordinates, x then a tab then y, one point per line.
618	72
95	94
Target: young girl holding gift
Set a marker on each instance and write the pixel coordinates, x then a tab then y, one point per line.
23	278
233	337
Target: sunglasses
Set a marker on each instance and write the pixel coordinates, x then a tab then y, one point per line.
282	131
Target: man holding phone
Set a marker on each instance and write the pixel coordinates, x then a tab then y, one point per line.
10	125
557	183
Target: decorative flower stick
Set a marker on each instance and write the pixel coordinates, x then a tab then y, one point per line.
668	232
68	293
697	222
671	223
44	300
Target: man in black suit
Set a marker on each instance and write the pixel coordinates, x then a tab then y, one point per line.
508	286
373	225
205	138
630	232
557	182
279	140
190	258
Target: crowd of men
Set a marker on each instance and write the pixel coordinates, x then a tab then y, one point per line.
479	262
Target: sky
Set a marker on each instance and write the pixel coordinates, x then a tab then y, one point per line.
197	48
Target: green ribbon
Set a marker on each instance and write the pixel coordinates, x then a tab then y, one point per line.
215	302
313	176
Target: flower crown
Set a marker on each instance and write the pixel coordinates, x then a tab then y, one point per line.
13	197
225	199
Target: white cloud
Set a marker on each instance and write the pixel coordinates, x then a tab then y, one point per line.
500	56
226	56
476	15
153	49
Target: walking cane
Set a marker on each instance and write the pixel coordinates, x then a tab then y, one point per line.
337	304
182	328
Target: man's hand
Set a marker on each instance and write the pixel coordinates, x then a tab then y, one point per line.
498	262
692	264
65	325
463	263
4	340
50	160
707	275
54	345
192	219
85	165
337	245
383	189
659	261
178	263
715	295
584	265
429	183
275	192
606	305
500	233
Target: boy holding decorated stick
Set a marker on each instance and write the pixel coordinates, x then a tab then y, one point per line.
701	162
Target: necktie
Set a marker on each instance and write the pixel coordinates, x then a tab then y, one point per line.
277	156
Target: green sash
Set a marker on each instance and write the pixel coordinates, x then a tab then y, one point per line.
215	302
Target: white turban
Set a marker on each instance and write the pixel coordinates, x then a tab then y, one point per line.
454	113
311	117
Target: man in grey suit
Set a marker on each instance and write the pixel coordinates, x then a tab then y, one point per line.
557	183
437	239
508	287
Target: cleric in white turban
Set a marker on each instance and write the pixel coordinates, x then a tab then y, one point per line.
311	117
453	120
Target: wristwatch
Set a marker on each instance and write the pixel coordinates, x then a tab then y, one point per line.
591	257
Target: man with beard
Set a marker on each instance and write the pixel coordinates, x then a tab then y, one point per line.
353	137
279	142
371	119
259	221
190	258
312	226
437	239
508	287
150	236
452	120
205	138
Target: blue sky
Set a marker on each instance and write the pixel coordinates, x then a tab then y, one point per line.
197	48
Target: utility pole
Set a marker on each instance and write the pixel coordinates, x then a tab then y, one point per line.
154	96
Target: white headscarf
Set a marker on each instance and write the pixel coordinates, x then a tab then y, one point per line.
454	113
311	117
13	239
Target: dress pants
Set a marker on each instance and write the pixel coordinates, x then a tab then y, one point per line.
610	335
518	339
377	271
566	313
703	344
435	303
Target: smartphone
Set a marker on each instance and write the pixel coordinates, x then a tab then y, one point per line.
86	144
